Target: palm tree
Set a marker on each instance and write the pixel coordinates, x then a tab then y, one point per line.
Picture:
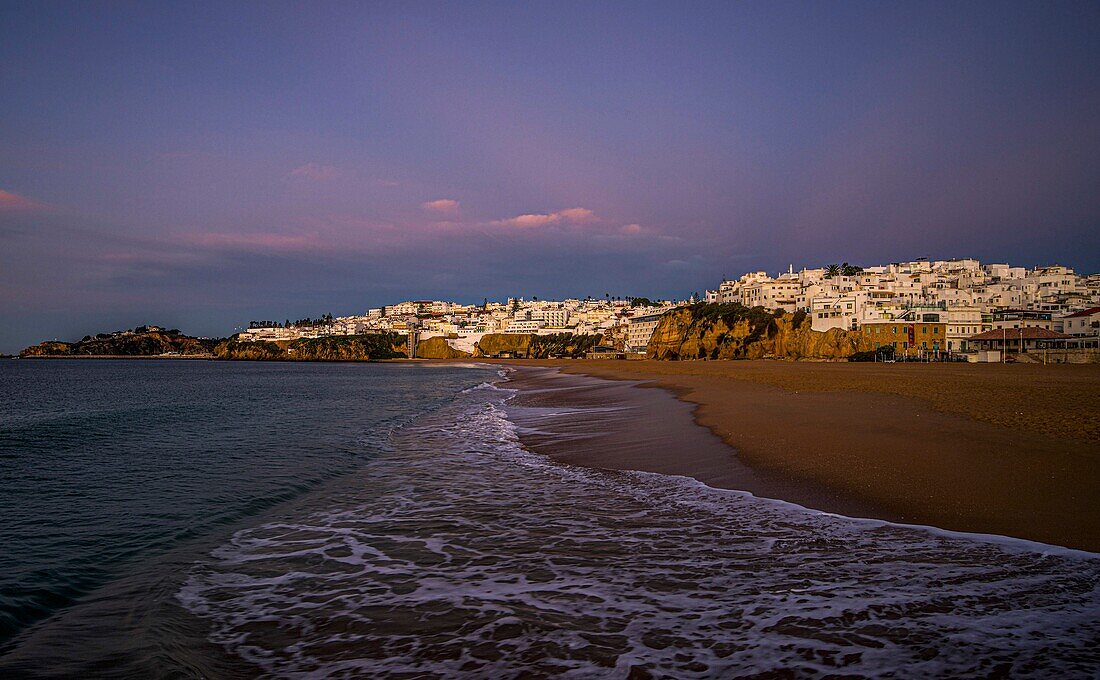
832	270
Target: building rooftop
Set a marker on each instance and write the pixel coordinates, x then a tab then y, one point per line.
1018	333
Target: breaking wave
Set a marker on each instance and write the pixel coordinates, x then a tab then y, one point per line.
463	554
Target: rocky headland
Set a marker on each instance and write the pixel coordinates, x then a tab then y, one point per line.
141	341
733	331
700	331
370	347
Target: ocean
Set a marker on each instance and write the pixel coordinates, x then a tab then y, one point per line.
216	519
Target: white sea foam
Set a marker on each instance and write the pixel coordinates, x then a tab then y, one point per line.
479	386
465	555
418	365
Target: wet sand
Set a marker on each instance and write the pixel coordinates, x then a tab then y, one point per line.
611	424
1010	450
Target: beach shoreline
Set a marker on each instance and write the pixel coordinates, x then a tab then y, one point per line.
816	435
583	420
194	357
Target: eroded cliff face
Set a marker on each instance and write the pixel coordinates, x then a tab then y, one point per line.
48	349
437	348
372	347
536	346
730	331
250	351
494	344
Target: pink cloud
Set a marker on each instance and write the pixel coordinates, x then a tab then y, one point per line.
442	205
11	201
533	220
631	228
315	171
528	221
578	215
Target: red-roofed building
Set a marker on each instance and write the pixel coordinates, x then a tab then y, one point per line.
1082	324
1011	339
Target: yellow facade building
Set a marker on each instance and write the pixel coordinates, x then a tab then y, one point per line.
907	337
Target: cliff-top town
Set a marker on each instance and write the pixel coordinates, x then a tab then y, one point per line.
955	307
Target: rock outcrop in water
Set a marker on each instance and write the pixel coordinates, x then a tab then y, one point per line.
142	341
437	348
530	346
732	331
370	347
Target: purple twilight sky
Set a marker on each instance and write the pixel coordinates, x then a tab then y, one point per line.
202	164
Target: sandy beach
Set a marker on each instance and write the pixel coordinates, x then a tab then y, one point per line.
1010	450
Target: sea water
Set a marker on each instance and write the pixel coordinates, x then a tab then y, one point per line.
350	521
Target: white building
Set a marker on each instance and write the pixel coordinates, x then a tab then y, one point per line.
829	312
963	322
558	318
524	326
970	293
640	330
1082	324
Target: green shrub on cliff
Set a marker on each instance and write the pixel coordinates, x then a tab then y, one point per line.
249	351
706	314
373	347
562	345
731	331
884	353
531	346
370	347
146	343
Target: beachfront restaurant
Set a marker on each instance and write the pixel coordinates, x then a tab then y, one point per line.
1018	340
